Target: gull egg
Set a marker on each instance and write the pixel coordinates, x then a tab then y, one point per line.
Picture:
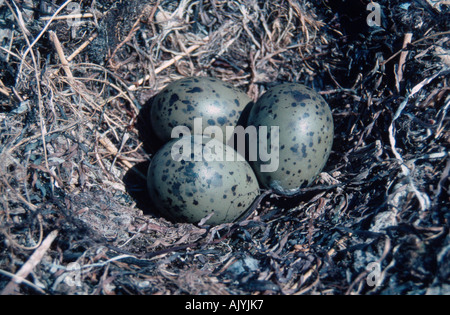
216	102
305	136
195	177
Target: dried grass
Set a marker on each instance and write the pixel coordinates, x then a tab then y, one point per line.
73	162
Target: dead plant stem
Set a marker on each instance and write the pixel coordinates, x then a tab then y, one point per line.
27	268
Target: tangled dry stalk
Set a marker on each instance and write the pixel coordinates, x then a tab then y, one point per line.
74	83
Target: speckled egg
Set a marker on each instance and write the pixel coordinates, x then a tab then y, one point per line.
216	102
306	133
193	177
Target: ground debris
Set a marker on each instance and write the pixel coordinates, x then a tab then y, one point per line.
73	162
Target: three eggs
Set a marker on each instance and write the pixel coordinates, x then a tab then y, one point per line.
197	177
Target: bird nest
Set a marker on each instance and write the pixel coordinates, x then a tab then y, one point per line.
75	80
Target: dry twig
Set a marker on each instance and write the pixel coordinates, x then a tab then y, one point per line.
62	56
167	64
27	268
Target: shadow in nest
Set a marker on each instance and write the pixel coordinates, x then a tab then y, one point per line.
135	178
144	126
136	186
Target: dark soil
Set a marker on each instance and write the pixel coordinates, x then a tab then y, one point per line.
75	217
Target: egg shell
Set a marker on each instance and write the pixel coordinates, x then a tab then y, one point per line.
218	104
192	188
305	135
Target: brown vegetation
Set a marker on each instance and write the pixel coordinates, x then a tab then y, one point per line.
74	216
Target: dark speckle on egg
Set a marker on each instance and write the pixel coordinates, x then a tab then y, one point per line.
222	120
299	96
174	98
195	90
